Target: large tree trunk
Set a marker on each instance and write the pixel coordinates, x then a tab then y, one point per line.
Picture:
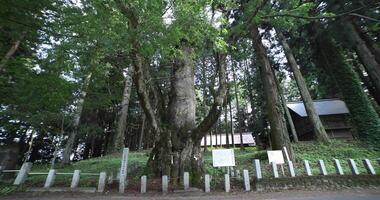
363	115
119	137
72	136
366	57
237	103
318	128
286	110
178	150
11	51
177	137
278	131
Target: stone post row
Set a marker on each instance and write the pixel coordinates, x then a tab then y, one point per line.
227	183
352	164
274	169
75	179
338	167
50	178
307	168
164	183
186	181
207	183
102	181
322	167
143	184
291	169
23	173
258	169
247	185
369	167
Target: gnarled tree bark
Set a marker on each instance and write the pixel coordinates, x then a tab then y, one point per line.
318	128
278	131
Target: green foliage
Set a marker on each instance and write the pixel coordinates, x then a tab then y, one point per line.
363	115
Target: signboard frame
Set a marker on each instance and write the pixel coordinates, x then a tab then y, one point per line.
223	158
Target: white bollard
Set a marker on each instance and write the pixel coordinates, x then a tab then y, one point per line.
207	183
352	164
322	167
369	167
338	167
102	181
143	184
50	178
247	185
274	169
23	173
75	179
291	169
258	169
164	183
186	180
227	187
307	168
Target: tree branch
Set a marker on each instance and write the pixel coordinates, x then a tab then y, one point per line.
219	99
139	76
350	13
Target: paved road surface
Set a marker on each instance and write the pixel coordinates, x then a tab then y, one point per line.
355	194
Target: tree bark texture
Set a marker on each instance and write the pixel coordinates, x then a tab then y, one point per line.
70	142
278	130
366	57
237	102
177	136
119	138
316	122
286	110
363	115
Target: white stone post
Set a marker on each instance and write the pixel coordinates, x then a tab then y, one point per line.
143	184
23	173
247	185
186	180
123	170
258	169
164	184
274	169
207	183
307	168
338	167
369	167
227	183
75	179
102	181
50	178
352	164
291	169
322	167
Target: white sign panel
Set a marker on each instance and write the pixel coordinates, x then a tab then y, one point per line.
223	158
276	156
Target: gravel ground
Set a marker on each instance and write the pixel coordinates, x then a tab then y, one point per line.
353	194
